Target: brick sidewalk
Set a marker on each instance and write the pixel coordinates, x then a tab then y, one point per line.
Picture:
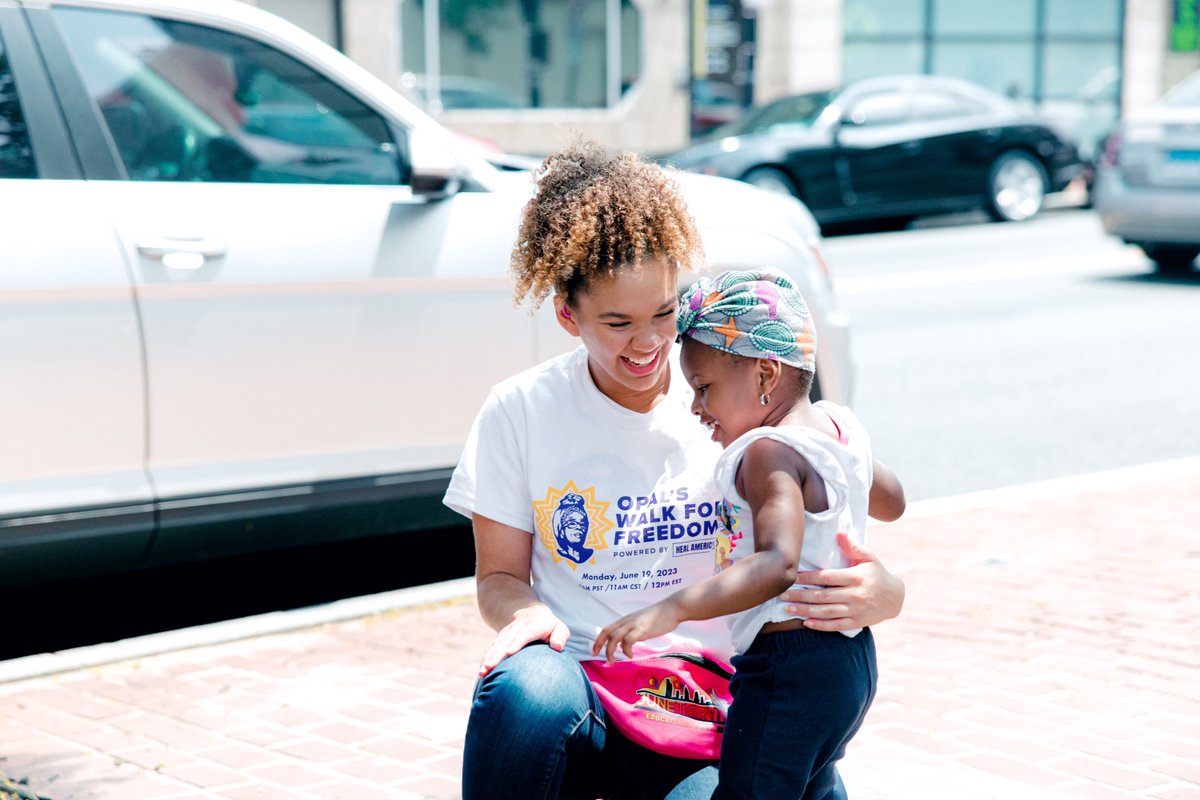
1049	648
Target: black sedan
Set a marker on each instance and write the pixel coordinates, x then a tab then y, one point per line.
891	149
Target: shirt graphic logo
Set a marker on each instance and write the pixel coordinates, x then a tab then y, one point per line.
571	524
674	697
727	535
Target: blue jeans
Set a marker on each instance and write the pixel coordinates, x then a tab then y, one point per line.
537	731
798	698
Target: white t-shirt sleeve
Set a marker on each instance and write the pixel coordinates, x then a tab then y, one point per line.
490	479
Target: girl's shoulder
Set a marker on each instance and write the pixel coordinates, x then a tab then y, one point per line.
786	441
806	443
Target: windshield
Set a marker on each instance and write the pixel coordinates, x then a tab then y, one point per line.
801	110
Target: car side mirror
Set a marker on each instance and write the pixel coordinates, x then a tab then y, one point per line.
435	173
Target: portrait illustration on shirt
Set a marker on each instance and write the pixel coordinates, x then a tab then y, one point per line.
570	523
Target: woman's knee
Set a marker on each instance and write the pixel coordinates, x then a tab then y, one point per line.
535	680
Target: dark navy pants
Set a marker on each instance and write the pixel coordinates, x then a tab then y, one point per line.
798	698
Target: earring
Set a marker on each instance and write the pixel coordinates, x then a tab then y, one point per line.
764	399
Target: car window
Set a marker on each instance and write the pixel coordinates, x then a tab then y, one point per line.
799	110
932	104
883	108
186	102
16	155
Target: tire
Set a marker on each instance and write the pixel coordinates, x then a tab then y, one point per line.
1016	187
772	180
1171	259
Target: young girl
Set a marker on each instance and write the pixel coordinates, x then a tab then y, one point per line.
796	476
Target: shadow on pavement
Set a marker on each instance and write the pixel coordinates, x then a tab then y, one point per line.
72	614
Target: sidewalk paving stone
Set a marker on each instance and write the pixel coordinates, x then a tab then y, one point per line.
1049	648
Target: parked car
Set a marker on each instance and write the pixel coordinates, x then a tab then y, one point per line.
892	148
1147	188
252	297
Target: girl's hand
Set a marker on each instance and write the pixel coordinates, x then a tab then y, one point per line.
536	623
858	596
656	620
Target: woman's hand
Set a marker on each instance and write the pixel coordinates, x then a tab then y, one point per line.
533	624
656	620
863	594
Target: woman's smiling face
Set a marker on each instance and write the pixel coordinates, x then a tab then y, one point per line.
627	324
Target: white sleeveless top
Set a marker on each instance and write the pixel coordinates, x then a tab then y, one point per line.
845	466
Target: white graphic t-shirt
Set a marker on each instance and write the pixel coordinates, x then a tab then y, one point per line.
621	505
844	464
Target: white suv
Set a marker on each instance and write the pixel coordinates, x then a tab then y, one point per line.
250	296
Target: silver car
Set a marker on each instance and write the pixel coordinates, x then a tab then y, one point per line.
1147	188
250	296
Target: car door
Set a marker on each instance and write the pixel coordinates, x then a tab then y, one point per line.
879	153
310	320
74	494
961	137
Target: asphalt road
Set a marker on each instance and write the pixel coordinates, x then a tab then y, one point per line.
996	354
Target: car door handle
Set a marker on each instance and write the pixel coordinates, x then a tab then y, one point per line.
184	253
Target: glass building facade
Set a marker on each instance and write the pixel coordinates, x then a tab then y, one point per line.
1062	56
479	54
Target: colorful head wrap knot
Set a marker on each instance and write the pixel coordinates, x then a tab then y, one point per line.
758	314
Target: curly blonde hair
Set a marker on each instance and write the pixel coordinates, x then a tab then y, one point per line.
593	213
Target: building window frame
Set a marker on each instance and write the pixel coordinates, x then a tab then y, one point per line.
425	73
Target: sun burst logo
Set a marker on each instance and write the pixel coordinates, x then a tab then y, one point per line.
571	523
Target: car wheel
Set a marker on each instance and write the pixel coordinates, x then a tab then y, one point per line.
1171	258
771	179
1016	187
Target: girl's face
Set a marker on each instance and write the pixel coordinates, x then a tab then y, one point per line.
726	390
627	324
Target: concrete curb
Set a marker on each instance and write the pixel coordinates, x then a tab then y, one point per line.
1054	487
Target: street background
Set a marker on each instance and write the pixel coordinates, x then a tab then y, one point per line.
989	355
1015	376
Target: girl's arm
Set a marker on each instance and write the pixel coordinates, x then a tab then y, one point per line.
507	602
886	502
771	480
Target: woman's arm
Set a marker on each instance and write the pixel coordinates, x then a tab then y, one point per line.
860	595
864	593
507	602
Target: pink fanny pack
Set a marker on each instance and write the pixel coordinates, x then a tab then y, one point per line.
673	703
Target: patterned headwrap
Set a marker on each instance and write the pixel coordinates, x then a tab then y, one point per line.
756	313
